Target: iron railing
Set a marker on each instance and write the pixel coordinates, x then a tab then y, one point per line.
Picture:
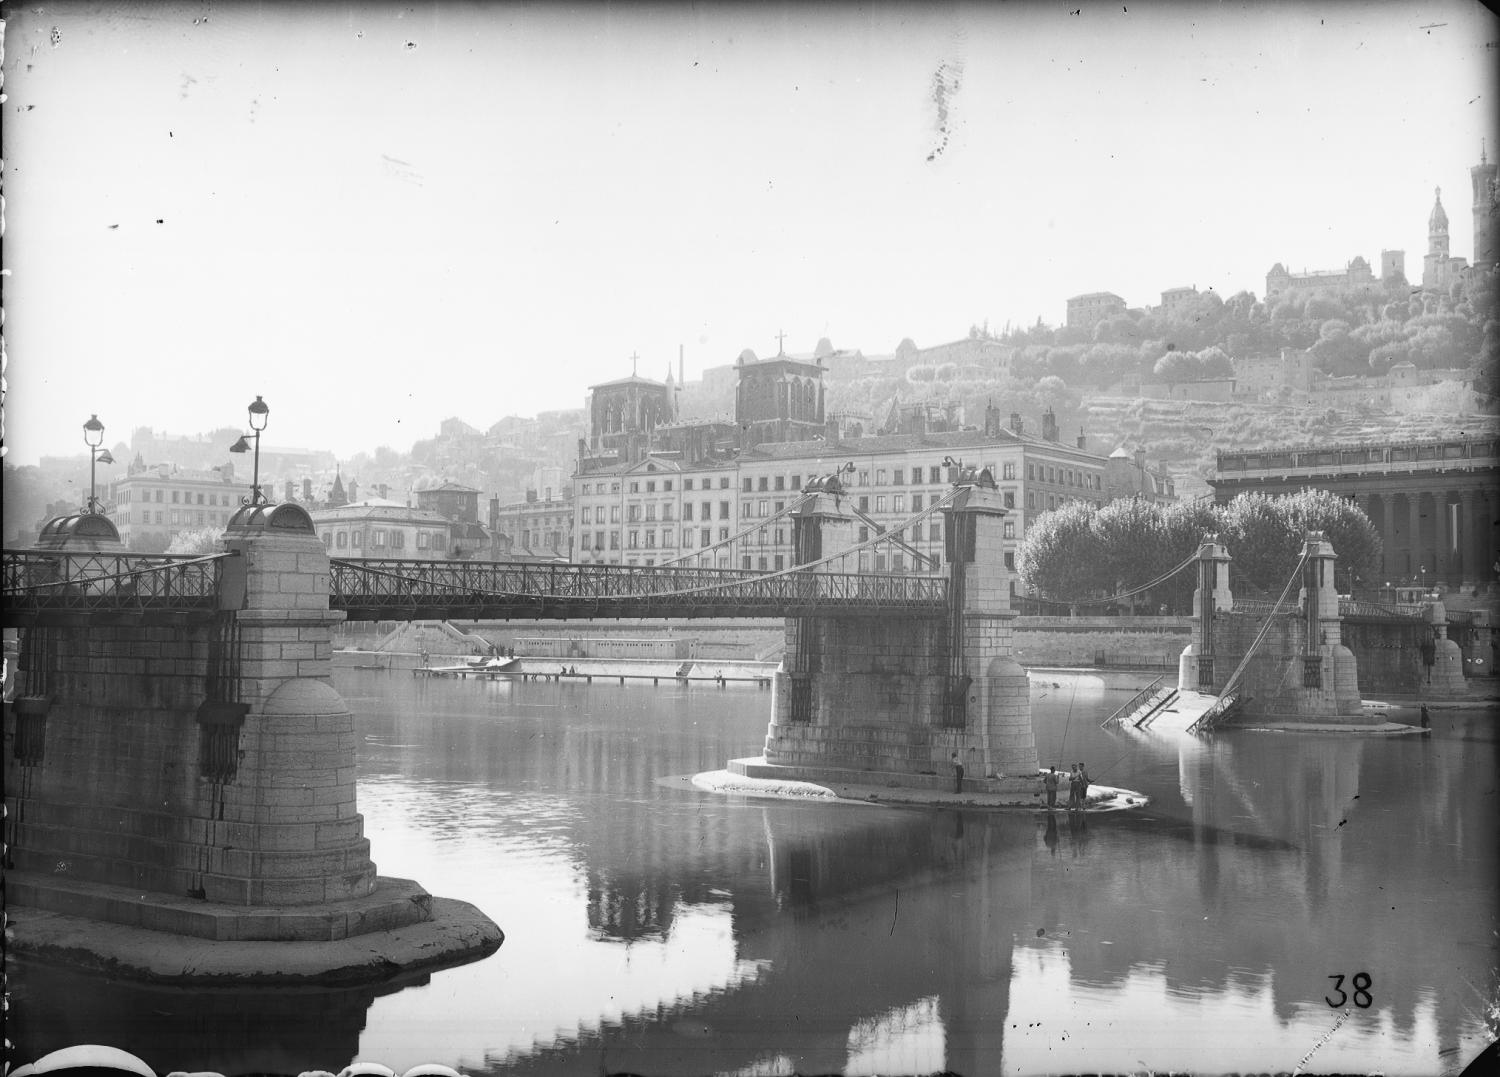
382	589
43	582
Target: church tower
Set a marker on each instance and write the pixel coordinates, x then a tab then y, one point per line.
1483	176
1435	264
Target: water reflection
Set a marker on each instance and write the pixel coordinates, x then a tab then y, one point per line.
657	929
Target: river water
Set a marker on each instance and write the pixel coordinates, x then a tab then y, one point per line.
655	929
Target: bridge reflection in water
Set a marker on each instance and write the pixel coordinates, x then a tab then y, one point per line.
655	929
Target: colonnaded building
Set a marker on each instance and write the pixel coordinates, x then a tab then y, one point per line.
1434	503
650	488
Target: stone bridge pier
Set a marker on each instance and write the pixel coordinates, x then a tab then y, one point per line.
889	700
170	784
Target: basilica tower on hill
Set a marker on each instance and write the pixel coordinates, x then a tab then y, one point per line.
1483	177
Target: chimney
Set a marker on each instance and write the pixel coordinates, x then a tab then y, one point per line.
1049	425
307	489
494	512
1083	441
1015	423
1140	459
384	489
530	496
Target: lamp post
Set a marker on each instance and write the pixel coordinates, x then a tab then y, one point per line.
93	437
258	414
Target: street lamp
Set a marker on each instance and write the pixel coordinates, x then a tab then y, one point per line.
258	413
93	437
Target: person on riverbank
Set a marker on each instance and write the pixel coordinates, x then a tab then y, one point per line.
1050	782
958	774
1083	787
1073	798
1426	718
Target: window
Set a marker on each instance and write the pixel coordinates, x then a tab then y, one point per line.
760	537
633	540
880	476
796	482
687	484
935	473
650	539
763	484
724	512
650	512
723	482
934	531
864	534
635	487
327	538
614	488
898	476
898	502
864	502
666	486
377	537
864	477
765	509
1031	471
1010	529
781	536
632	513
687	511
1010	469
342	539
586	488
583	543
598	540
781	482
707	512
650	487
145	516
158	499
705	536
423	540
1010	560
762	564
916	502
174	497
158	516
398	540
723	534
749	485
355	537
1010	499
587	516
614	540
174	518
879	502
614	514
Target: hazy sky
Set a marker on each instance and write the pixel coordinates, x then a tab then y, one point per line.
380	216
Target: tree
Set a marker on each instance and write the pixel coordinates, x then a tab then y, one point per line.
1176	367
1059	557
1265	536
1214	362
201	541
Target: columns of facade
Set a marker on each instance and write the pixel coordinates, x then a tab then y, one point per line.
1414	534
1388	560
1441	540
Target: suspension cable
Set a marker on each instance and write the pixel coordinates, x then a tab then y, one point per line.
732	539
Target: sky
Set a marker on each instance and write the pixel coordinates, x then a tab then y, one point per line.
378	216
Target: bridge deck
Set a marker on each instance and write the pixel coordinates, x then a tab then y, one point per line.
58	588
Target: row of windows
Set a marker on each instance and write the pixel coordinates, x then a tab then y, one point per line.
705	483
179	517
636	513
381	538
647	539
1063	476
126	496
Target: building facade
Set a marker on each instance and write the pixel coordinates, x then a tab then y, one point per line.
1357	272
653	511
536	527
1433	503
151	506
380	528
1085	311
778	399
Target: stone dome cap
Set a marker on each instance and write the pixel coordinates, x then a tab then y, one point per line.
304	697
1438	222
271	518
82	525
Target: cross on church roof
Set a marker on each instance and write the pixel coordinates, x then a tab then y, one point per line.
633	358
781	343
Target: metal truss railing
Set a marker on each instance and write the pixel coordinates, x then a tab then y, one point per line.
382	589
1348	607
43	581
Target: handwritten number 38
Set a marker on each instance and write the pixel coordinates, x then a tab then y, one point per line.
1361	984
